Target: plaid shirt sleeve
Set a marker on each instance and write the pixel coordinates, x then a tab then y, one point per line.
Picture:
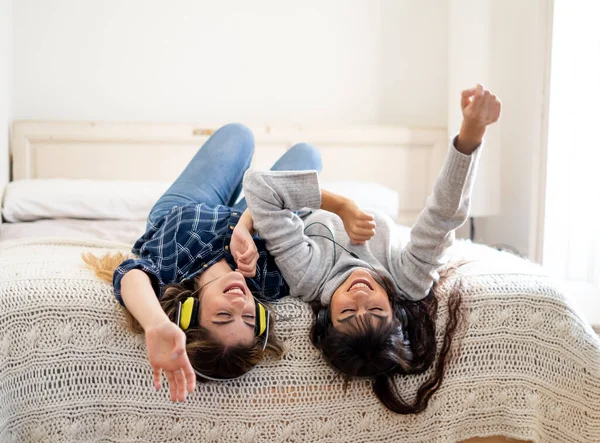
142	264
174	247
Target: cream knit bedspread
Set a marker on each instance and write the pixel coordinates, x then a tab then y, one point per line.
528	368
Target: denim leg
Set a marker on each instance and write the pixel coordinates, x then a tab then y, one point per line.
300	157
214	175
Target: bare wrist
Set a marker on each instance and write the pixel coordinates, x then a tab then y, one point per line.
332	202
469	137
154	322
246	221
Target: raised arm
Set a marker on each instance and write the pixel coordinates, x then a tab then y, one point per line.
272	198
447	208
165	341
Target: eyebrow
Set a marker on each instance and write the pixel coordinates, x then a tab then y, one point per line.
381	317
223	323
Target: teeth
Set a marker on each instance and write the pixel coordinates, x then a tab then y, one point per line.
235	290
360	285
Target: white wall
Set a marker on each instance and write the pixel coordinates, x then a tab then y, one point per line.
413	70
204	61
315	62
519	37
5	87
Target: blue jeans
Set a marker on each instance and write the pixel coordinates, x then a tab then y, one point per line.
214	176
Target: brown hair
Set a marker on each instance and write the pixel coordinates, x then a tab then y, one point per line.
384	350
206	354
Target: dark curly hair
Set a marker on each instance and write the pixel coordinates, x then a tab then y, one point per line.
406	345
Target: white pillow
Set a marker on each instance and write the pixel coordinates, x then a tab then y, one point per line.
367	195
28	200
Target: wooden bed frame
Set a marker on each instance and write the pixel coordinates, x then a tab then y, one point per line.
404	159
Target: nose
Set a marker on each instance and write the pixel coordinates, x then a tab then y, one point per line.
360	299
361	295
238	304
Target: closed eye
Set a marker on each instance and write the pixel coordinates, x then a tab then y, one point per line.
376	309
347	310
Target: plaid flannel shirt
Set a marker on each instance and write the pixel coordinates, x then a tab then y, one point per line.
189	240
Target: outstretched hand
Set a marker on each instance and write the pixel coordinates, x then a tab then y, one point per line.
244	250
165	343
359	225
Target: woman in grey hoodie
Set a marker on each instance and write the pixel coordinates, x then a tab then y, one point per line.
375	293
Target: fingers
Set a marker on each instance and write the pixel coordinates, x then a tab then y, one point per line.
156	376
177	385
172	385
190	376
181	385
361	228
366	224
480	105
245	257
465	97
247	270
246	263
359	236
363	216
252	265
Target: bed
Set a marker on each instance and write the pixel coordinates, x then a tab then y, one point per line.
526	367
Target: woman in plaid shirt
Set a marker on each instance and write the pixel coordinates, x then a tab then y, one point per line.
199	252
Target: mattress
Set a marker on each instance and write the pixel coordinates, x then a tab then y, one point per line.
120	231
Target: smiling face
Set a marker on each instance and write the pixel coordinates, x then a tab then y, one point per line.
227	307
359	295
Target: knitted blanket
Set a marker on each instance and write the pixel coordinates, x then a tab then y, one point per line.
528	367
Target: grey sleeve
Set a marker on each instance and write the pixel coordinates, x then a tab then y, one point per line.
272	196
415	266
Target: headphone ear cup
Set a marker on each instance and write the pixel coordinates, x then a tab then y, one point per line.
404	320
188	313
403	317
262	319
321	325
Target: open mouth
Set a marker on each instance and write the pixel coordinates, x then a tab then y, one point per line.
360	283
235	288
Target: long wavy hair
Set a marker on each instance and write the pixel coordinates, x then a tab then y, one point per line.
384	350
206	354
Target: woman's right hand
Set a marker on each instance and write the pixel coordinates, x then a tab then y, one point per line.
165	343
359	225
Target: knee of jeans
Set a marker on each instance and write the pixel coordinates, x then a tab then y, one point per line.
239	131
308	153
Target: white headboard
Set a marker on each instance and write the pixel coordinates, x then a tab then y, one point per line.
404	159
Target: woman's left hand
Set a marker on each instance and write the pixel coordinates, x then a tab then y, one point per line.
359	225
244	250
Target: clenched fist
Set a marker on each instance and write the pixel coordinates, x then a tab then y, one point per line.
480	108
